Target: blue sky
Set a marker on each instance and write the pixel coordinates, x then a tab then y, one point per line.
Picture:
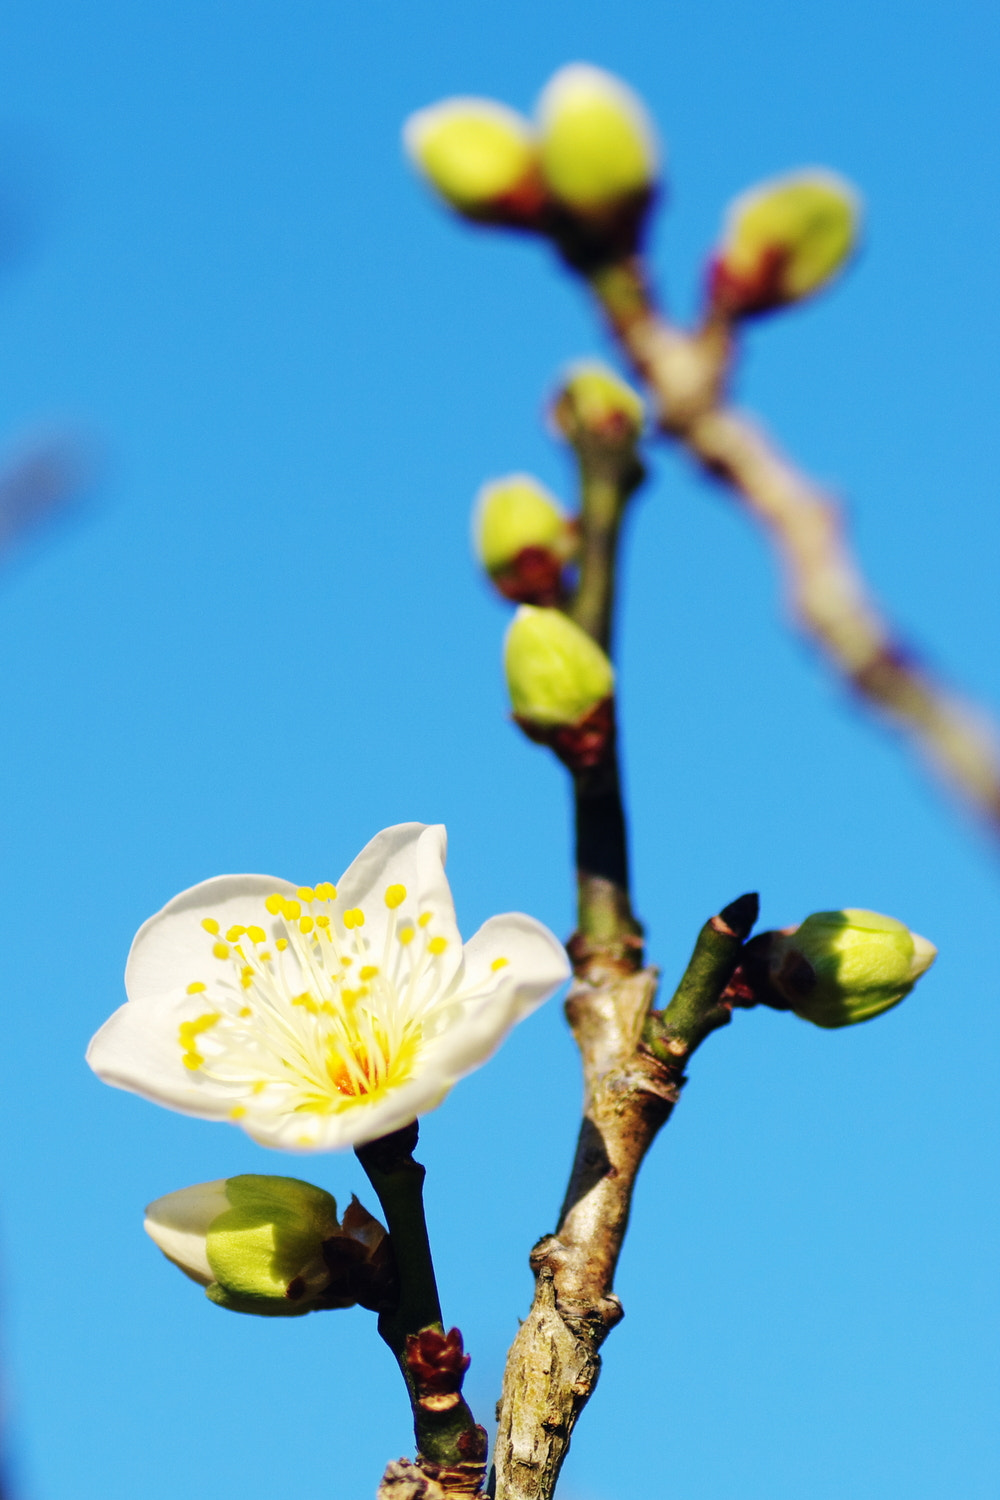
264	639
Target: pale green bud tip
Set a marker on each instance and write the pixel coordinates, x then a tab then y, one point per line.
842	967
515	513
787	238
255	1242
473	151
598	145
556	674
594	400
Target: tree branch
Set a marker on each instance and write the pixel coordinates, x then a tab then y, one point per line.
687	375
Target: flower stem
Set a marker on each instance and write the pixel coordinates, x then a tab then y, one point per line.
449	1441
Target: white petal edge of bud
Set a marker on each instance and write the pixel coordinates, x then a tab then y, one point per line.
178	1224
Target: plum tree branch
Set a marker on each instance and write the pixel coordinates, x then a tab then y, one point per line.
687	375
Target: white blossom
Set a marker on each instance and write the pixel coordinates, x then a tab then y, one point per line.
321	1017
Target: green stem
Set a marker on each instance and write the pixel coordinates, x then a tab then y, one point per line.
443	1437
697	1007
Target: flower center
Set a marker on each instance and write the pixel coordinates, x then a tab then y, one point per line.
305	1016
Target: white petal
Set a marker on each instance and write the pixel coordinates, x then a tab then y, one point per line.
172	949
353	1126
138	1049
178	1223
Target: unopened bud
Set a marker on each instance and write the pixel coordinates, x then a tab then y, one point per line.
556	674
598	146
596	405
783	241
842	967
523	538
480	156
272	1245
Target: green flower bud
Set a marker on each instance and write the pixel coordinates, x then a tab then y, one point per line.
783	241
479	155
598	147
842	967
596	404
523	538
514	513
556	674
270	1245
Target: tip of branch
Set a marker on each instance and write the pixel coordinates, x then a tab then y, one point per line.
740	915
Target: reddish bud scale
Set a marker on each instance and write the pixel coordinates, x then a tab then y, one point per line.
742	296
527	207
437	1361
533	577
581	746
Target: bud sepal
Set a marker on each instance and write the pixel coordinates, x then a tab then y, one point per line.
561	685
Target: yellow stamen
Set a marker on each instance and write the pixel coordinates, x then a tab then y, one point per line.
306	893
266	957
395	895
246	1010
256	934
274	903
220	950
354	917
322	920
291	911
406	935
423	918
281	944
210	925
306	924
259	1086
369	971
499	963
437	945
326	892
237	1112
196	988
234	933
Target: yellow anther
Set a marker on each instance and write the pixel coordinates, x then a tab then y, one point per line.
423	918
237	1112
395	895
347	960
328	1009
354	917
306	924
368	972
245	1011
192	1060
256	934
306	893
259	1086
437	945
349	996
220	950
210	925
406	935
281	944
325	891
266	957
499	963
246	980
291	911
189	1029
307	1002
274	903
196	988
322	920
234	933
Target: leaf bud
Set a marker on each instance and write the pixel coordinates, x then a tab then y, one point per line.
561	686
480	156
783	241
598	147
273	1245
523	538
594	405
842	967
